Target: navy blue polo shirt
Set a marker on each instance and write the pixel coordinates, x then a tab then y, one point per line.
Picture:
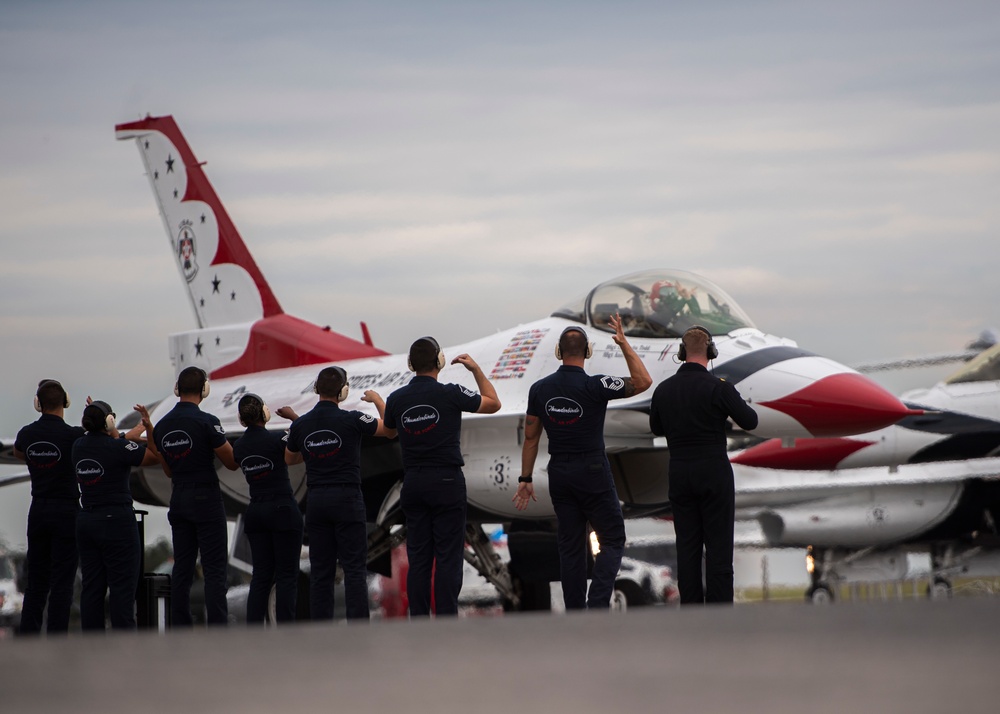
261	456
428	418
102	466
187	439
47	445
329	439
571	406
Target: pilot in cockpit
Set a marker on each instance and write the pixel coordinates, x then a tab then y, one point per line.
668	299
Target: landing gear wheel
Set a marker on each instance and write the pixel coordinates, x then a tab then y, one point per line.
619	603
820	594
939	589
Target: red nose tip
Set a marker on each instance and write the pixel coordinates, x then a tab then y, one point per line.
806	454
842	405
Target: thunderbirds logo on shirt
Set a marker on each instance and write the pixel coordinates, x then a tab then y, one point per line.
256	467
89	472
176	444
420	419
323	444
563	411
43	455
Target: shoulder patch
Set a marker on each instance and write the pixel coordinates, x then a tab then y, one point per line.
130	445
466	391
367	418
218	428
285	437
613	383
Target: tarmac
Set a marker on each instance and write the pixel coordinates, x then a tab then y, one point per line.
910	656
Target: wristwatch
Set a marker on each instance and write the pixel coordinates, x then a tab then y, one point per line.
524	479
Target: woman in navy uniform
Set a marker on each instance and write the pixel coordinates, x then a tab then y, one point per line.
428	418
106	531
328	439
45	446
273	521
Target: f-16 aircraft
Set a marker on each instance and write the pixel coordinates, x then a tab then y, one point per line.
930	482
247	343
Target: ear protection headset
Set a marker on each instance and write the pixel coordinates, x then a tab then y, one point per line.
265	412
44	383
109	415
440	353
710	349
344	390
573	328
205	387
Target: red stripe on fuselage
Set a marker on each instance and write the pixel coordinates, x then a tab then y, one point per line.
806	454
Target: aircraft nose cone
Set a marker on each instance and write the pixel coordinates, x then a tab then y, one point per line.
841	405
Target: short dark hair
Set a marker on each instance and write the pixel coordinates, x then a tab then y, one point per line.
573	343
191	380
330	381
424	355
51	395
251	409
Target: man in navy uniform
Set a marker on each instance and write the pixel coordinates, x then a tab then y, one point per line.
570	406
46	446
691	409
189	440
428	418
328	439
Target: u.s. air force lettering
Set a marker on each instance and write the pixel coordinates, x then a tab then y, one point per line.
562	410
322	444
420	419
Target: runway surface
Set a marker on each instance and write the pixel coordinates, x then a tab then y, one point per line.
886	657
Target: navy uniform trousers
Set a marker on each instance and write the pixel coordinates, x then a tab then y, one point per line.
703	501
434	503
108	540
273	526
335	520
52	562
198	523
583	491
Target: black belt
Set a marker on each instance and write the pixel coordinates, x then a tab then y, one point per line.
108	506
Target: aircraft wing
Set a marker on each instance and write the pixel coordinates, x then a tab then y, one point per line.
7	453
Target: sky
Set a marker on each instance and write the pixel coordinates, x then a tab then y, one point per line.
456	168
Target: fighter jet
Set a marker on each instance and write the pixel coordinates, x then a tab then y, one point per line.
930	483
247	343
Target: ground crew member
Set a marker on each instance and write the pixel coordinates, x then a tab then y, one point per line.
189	440
428	418
328	439
570	406
273	521
690	409
46	446
106	531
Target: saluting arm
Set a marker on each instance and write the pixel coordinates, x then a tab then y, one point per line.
490	403
639	380
373	397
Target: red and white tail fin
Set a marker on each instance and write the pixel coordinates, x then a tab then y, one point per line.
242	327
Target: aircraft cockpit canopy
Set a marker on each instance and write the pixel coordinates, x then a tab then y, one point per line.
984	367
658	303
